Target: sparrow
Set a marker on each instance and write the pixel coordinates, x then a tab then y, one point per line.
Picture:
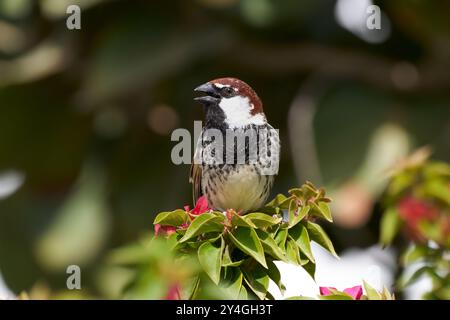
236	177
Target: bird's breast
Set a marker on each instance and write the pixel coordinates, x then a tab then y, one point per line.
239	187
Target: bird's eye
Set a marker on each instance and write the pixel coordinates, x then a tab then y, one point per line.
227	92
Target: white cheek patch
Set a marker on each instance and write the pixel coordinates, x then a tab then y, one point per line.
220	86
238	112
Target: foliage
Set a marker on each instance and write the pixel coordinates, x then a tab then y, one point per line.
157	274
355	293
236	252
372	294
112	93
417	203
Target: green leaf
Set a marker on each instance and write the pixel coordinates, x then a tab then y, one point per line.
390	225
130	255
297	192
437	170
279	200
281	238
413	254
275	275
337	296
405	281
292	210
325	210
299	298
430	230
243	295
248	242
322	210
318	235
269	296
172	240
232	282
194	245
172	218
190	290
233	264
300	235
181	231
227	261
306	191
270	246
310	267
210	258
256	278
298	215
386	295
438	189
239	221
400	183
371	293
204	223
443	293
292	252
262	220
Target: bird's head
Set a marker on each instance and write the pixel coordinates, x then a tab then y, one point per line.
232	102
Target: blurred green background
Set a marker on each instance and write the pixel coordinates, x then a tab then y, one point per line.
86	115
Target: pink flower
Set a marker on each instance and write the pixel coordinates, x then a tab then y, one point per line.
164	230
173	293
355	292
325	291
200	207
413	211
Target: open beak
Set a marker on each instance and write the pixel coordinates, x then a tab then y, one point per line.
212	95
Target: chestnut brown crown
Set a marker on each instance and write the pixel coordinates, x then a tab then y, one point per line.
227	88
241	88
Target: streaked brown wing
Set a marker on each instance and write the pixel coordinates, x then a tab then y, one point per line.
196	179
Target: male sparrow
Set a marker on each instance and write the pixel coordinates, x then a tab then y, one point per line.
237	153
